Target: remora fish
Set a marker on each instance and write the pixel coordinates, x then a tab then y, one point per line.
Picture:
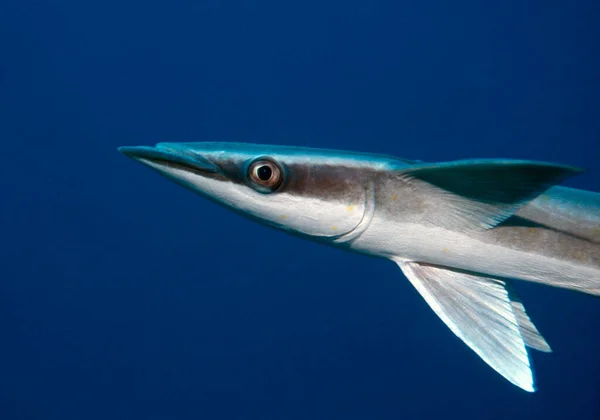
460	231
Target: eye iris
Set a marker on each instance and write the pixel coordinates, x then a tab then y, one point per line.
265	176
264	173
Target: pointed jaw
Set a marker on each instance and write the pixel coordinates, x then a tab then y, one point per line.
170	156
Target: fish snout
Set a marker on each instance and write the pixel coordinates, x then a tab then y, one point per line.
170	154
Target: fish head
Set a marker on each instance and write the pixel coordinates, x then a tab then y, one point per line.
311	192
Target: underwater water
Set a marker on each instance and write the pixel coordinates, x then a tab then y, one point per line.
125	296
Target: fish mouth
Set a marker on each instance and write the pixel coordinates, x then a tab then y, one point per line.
170	156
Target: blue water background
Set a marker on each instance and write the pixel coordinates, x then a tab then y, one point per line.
124	296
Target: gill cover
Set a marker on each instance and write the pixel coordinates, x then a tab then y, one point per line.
315	199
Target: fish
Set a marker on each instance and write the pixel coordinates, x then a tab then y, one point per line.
462	232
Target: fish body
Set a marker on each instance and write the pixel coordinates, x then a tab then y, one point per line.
563	252
460	231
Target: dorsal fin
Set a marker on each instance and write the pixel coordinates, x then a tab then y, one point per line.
480	194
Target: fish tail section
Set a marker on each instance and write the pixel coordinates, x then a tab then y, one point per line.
583	279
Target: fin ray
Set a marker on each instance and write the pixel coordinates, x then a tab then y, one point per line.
480	194
530	333
482	313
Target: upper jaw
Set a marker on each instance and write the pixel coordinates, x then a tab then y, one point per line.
170	154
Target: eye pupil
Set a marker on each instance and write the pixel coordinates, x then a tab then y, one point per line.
264	173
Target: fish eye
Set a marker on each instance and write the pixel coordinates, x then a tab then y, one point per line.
265	174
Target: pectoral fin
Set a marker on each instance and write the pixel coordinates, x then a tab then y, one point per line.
470	194
480	312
